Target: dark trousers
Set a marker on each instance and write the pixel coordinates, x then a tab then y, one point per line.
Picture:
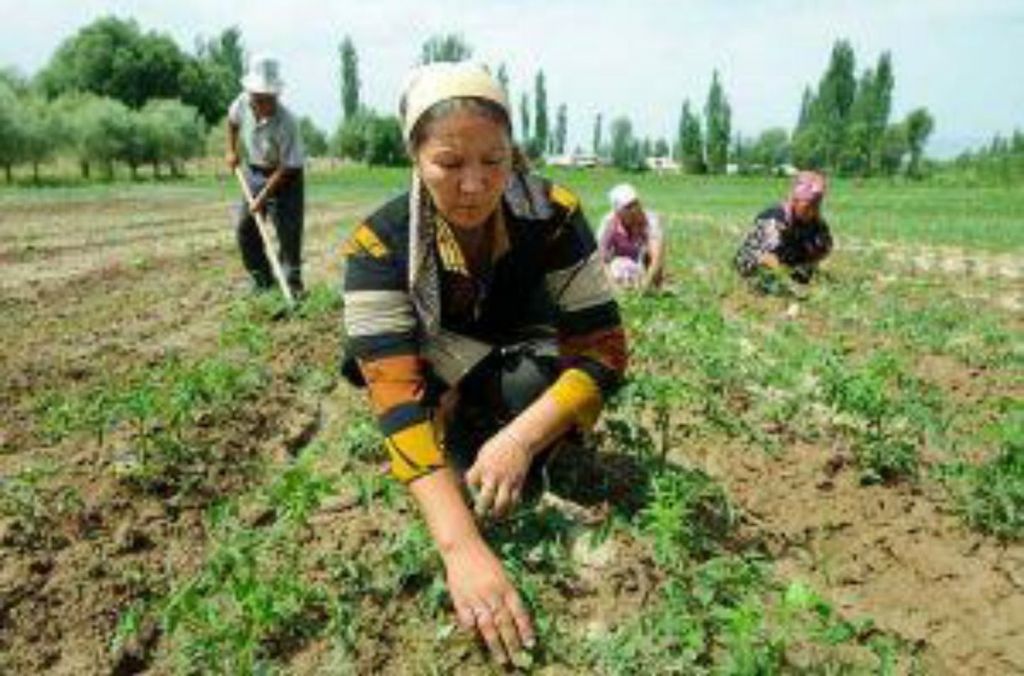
494	393
286	209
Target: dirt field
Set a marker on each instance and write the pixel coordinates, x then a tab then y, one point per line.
115	530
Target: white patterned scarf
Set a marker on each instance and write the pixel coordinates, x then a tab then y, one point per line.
424	276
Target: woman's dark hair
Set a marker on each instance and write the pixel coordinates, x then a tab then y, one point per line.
485	107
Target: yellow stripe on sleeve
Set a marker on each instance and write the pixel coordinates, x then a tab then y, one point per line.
564	197
364	239
414	452
578	396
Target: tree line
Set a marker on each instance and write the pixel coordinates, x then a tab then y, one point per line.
843	126
999	161
113	93
373	137
95	131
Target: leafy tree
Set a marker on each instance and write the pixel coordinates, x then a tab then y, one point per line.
208	86
112	57
313	140
856	155
447	47
1001	159
11	134
210	81
228	51
524	117
625	147
894	148
502	77
141	143
836	94
718	118
13	79
808	147
349	78
919	125
598	127
771	149
822	138
216	138
561	129
384	143
101	129
869	117
173	133
43	132
740	154
691	141
540	117
371	138
881	107
350	139
806	109
661	148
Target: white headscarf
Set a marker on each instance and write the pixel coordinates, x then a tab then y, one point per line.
425	87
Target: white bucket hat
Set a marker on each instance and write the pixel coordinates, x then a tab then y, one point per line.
622	195
263	76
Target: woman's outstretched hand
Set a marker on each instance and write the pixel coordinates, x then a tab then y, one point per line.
498	475
485	600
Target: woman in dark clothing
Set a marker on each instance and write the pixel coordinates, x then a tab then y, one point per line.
479	319
791	236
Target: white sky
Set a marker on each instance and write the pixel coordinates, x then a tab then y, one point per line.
960	58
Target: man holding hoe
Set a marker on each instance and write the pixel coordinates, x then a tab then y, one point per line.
273	177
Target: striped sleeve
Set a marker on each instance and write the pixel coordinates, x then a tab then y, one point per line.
591	339
381	333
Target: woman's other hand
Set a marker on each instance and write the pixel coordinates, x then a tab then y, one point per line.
500	470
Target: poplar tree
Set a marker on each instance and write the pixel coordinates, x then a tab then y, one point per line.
561	129
919	125
835	101
446	47
691	141
349	78
625	148
718	122
524	117
540	118
503	78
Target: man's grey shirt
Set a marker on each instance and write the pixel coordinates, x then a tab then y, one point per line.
271	142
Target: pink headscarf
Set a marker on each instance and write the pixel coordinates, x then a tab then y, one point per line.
808	186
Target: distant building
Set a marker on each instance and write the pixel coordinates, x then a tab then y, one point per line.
662	164
573	161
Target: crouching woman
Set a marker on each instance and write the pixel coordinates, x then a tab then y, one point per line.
479	319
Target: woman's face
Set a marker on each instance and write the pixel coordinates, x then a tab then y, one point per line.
464	161
632	215
806	211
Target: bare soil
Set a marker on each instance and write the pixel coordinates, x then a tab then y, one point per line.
96	289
